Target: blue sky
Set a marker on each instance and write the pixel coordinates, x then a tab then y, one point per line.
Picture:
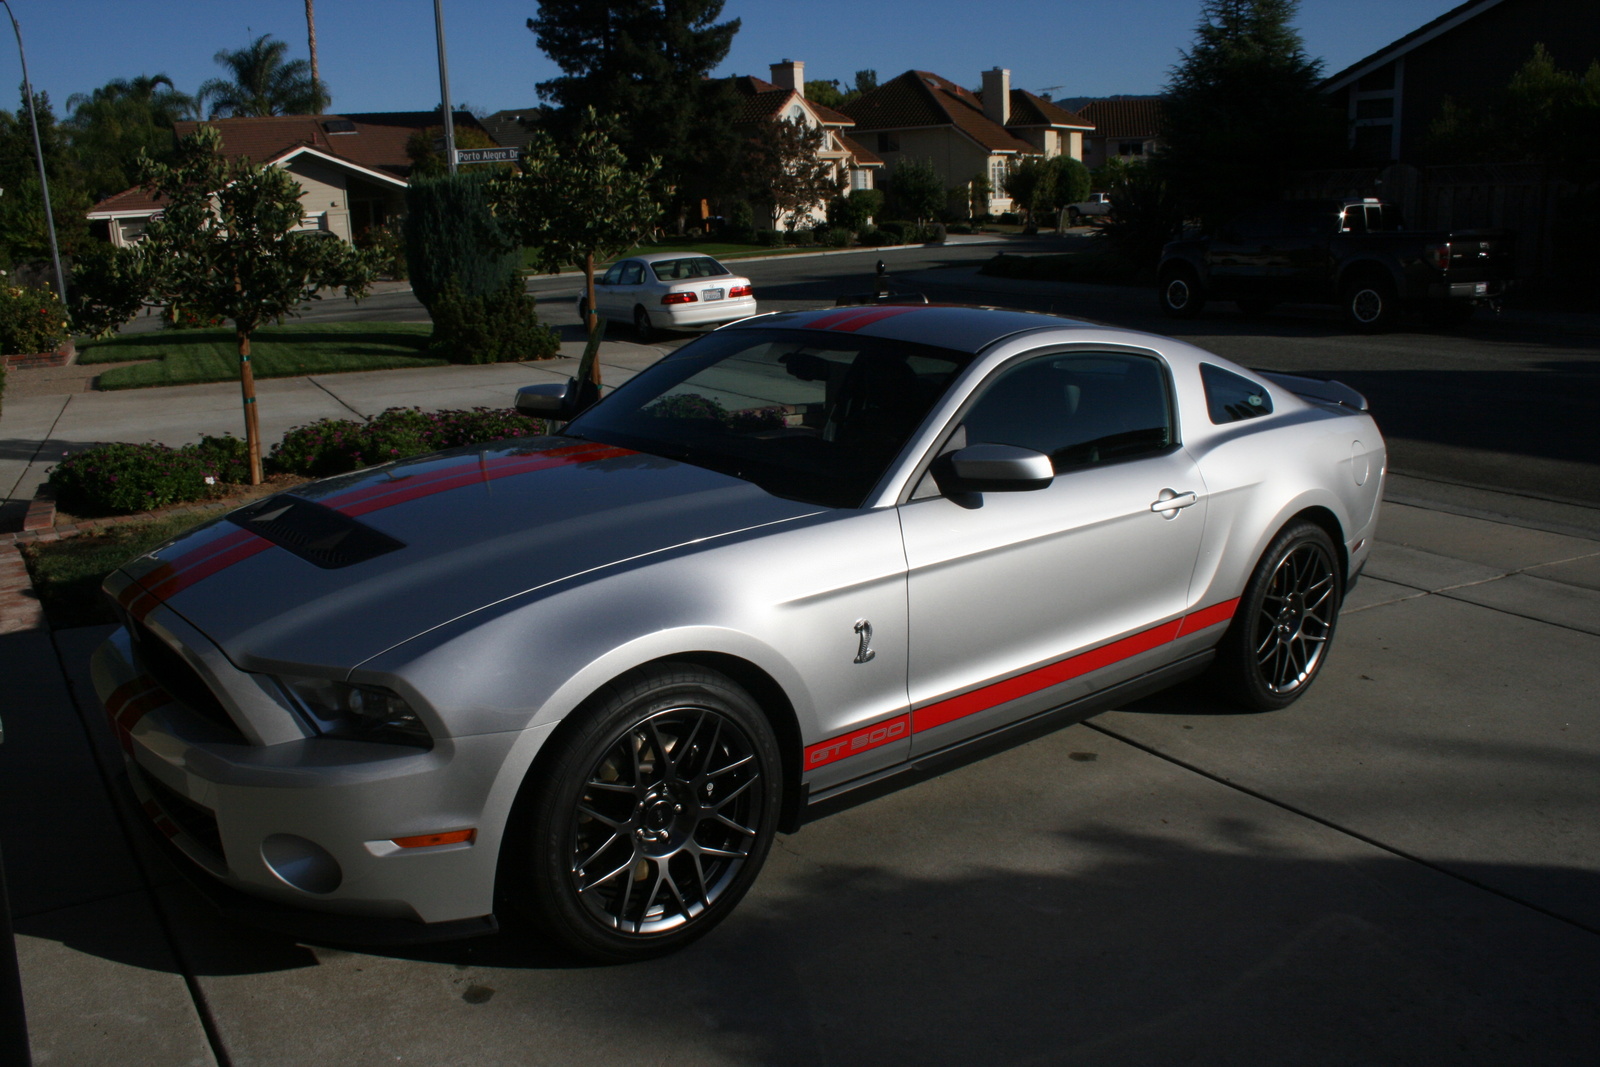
379	55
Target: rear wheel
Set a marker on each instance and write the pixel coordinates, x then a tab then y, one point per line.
1074	216
1371	303
652	816
1280	634
1182	295
583	311
642	326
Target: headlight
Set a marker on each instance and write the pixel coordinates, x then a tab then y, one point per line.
357	712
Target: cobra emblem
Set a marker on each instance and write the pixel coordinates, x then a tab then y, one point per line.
864	651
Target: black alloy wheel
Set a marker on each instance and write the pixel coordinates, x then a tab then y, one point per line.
1281	632
643	328
1371	304
654	816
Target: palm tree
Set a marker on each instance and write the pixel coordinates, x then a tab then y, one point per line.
109	127
311	39
263	84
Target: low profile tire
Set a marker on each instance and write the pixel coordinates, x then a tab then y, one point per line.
1182	296
1371	304
642	326
651	818
583	311
1279	637
1074	217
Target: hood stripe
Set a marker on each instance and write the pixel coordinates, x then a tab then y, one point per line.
175	575
360	501
852	320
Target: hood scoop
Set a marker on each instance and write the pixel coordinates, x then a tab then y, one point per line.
316	533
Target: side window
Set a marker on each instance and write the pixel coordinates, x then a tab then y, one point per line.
1231	397
1078	409
612	276
632	273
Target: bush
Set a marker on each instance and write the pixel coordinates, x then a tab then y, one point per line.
770	238
935	233
877	239
499	327
388	248
452	238
803	238
856	211
835	237
958	227
2	387
120	478
31	320
334	446
894	232
741	221
1009	218
225	458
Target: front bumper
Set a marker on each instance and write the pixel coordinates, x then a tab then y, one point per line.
311	823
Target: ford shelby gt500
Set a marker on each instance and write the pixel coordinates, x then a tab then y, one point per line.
585	678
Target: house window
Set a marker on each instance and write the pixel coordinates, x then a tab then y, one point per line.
888	142
1130	148
860	179
997	177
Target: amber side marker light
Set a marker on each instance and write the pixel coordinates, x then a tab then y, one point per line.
454	837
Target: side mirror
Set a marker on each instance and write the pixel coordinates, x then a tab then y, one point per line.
560	402
988	468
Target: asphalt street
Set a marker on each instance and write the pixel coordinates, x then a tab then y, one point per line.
1401	868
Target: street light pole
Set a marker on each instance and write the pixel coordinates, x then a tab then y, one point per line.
444	88
38	154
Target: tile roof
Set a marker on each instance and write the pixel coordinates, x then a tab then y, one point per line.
760	101
1030	110
922	98
509	128
1133	116
854	147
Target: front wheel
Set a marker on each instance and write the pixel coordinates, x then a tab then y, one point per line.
1280	633
652	817
1182	295
1074	216
583	311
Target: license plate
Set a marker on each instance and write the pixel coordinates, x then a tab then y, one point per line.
1481	289
712	294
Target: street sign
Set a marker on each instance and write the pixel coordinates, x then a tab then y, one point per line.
487	155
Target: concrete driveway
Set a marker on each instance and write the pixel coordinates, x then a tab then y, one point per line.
1404	867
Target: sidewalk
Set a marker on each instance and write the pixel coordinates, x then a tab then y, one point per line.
116	956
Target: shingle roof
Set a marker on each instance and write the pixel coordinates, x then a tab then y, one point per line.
1402	45
922	98
761	101
863	157
1134	116
508	127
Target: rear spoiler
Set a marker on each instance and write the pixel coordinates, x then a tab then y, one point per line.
1326	392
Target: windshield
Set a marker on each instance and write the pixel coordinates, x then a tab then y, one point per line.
675	270
805	414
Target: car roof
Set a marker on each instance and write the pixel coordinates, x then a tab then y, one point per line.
657	257
957	326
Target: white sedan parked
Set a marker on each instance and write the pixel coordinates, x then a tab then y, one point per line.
670	291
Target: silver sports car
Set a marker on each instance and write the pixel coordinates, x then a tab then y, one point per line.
584	679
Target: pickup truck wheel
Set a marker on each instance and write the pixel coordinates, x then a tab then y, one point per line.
1074	216
1182	295
1371	303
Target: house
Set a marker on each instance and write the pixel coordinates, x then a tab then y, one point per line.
965	134
1393	96
352	168
514	127
1125	127
784	97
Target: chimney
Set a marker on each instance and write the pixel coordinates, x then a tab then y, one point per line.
997	95
790	74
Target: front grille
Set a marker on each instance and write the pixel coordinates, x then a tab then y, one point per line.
193	819
174	674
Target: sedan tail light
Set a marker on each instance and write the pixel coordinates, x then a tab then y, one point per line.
1437	256
738	291
679	298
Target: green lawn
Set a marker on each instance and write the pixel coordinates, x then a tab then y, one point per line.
212	355
715	249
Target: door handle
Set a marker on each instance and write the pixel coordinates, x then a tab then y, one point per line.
1168	503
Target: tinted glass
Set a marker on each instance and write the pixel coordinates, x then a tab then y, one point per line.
1079	410
632	273
804	414
689	267
612	276
1231	397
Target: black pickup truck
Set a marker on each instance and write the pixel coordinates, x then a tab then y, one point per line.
1351	252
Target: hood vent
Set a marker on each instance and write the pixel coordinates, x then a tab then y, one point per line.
315	533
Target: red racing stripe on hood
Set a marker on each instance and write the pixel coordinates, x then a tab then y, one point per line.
387	494
855	318
176	575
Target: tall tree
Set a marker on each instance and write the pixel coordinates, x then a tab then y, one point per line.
262	83
109	127
311	40
647	62
780	165
227	245
24	236
1242	109
916	190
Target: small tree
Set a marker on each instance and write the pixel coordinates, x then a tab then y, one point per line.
979	189
916	189
453	237
783	167
579	200
1031	185
227	245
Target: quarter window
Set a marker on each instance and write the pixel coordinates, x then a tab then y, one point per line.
1231	397
1079	409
